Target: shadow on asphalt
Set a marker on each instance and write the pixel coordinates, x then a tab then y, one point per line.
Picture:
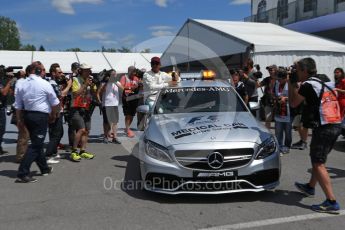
7	158
132	176
95	139
13	173
334	173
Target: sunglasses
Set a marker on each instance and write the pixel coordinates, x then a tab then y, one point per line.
155	63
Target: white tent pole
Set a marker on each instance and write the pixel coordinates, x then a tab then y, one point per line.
111	67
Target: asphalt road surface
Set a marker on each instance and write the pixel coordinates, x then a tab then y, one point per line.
99	194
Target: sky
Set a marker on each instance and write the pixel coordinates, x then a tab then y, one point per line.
91	24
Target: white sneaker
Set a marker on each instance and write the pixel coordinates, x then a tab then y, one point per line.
58	156
52	160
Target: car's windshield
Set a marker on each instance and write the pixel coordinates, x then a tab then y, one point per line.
198	99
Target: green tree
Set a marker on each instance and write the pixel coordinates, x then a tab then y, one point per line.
124	50
9	34
74	49
41	48
147	50
28	47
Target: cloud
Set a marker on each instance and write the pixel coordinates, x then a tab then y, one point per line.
66	6
161	28
127	40
240	2
161	33
161	3
108	42
96	35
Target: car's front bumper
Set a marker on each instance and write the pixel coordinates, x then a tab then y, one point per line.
172	178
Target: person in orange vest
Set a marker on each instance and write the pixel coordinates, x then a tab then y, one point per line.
83	89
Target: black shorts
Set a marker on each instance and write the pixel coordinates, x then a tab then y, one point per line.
80	120
322	141
130	107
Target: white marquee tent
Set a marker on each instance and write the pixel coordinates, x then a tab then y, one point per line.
266	43
98	60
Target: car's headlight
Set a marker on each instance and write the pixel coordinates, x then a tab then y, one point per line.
157	151
267	148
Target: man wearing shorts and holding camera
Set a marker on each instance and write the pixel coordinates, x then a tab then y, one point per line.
325	123
82	91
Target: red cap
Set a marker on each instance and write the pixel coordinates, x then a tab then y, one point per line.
155	60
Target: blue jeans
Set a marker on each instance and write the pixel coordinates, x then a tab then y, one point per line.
2	124
55	135
37	125
283	129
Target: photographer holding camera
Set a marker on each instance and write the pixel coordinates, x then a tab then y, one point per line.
6	81
83	90
324	119
61	88
130	98
282	111
267	99
108	96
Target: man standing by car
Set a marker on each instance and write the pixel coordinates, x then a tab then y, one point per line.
325	131
35	104
154	80
82	91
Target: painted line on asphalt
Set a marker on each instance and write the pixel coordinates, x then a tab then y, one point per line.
268	222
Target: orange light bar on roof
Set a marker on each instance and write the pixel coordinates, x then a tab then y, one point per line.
208	75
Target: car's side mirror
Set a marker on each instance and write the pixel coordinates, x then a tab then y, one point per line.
254	105
143	109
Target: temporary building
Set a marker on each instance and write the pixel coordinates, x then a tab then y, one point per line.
227	44
98	60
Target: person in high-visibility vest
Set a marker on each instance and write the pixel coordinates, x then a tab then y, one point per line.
82	91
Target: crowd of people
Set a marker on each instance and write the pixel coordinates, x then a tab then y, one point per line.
296	97
44	100
274	103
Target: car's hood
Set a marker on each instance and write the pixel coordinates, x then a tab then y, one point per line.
173	129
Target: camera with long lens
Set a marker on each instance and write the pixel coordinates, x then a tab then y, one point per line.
4	71
104	76
258	73
293	77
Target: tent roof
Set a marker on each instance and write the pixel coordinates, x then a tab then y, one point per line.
98	60
206	39
270	37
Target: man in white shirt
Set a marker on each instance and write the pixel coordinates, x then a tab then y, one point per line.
154	80
36	104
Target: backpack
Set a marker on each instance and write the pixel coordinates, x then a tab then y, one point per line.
329	106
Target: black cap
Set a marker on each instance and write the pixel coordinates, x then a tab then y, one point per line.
75	65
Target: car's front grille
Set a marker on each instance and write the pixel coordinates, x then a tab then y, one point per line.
197	184
198	159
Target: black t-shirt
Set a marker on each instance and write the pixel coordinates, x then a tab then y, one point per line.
250	86
266	83
241	89
311	112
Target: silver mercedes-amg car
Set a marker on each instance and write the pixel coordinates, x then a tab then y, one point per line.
200	137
